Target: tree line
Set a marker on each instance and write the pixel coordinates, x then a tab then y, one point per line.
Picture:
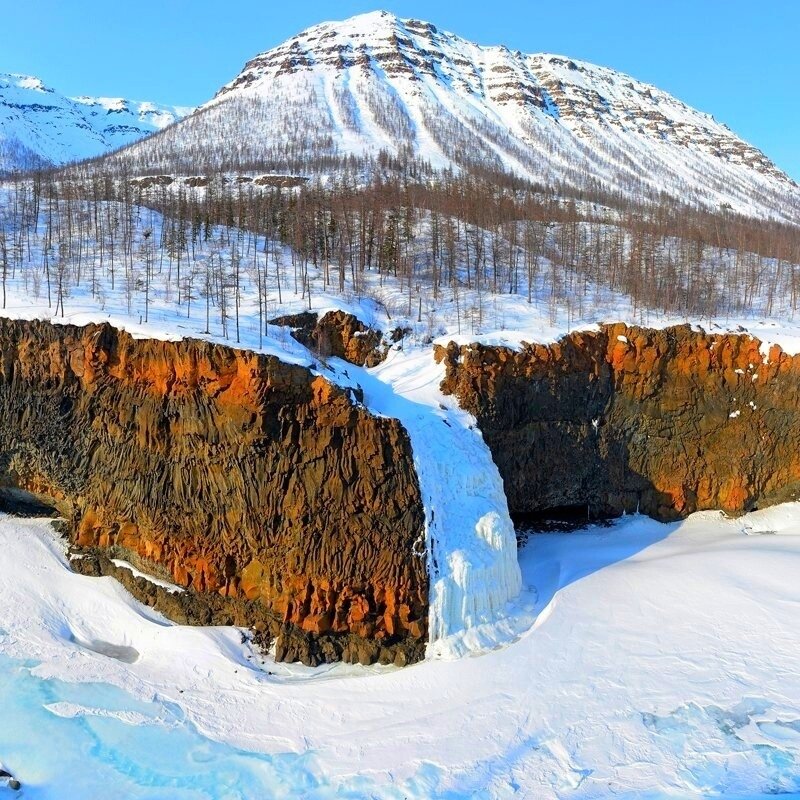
210	246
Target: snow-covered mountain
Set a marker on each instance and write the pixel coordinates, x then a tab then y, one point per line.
39	126
376	86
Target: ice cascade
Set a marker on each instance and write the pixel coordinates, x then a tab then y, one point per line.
470	540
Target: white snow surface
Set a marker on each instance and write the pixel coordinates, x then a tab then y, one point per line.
170	587
657	661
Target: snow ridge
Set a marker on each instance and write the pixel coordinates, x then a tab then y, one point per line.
41	127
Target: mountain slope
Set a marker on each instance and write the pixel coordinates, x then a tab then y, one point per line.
377	86
40	127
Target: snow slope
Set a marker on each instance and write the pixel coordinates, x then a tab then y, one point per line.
39	126
658	661
376	83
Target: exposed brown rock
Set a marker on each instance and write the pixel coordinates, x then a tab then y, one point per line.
280	181
228	472
152	180
292	643
338	334
633	418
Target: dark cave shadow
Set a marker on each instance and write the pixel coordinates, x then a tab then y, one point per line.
20	503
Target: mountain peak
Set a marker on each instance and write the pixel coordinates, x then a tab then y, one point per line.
370	26
365	21
22	81
40	127
376	86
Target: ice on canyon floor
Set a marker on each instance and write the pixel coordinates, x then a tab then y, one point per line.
90	740
661	662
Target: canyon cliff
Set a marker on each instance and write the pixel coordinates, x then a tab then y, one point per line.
255	483
664	421
281	503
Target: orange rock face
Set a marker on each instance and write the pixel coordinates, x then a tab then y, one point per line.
667	421
223	470
338	334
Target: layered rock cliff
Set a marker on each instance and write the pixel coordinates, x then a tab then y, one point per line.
248	480
282	503
665	421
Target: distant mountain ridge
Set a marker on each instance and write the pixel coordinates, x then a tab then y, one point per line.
41	127
377	88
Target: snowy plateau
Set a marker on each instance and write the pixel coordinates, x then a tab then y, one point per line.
624	659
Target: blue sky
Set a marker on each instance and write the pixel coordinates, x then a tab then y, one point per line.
736	59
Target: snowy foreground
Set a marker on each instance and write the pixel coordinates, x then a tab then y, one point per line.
657	661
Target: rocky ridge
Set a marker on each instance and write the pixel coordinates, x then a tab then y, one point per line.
339	334
282	504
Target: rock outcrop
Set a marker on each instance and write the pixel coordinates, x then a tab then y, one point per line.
241	477
338	334
665	421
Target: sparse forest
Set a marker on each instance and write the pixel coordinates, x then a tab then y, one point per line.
453	254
